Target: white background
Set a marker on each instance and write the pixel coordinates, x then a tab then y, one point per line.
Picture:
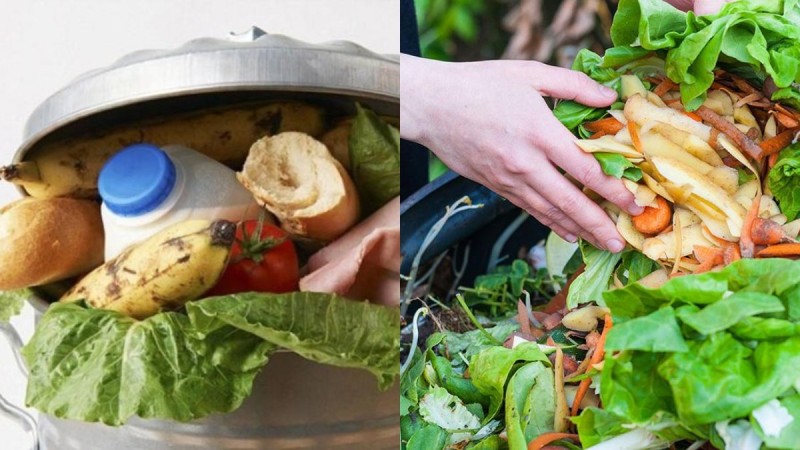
46	43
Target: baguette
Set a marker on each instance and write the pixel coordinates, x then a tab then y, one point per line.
295	177
42	241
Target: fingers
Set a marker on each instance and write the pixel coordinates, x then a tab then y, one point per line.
708	7
573	85
594	223
547	214
683	5
563	152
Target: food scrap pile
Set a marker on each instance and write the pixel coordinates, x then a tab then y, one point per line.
690	337
705	177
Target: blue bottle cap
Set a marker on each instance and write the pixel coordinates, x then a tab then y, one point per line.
136	180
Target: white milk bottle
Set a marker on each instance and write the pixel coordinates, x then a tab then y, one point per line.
146	188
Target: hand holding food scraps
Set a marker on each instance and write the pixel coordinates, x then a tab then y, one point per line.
488	121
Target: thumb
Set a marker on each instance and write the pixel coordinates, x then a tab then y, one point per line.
708	7
573	85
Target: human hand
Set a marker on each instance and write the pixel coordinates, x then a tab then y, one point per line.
488	122
700	7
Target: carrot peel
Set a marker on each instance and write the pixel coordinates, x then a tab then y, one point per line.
597	356
768	232
664	87
731	254
777	143
609	125
634	132
543	439
709	257
746	243
693	116
653	220
780	251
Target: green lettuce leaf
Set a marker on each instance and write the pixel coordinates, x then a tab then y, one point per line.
455	383
100	366
729	311
11	303
651	24
655	332
321	327
761	328
623	380
752	33
570	113
491	368
618	166
448	412
789	96
783	180
635	266
697	352
473	342
778	277
429	437
591	64
530	404
790	434
412	385
375	159
493	442
596	425
590	285
622	56
720	378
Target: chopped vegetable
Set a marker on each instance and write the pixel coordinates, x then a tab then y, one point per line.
634	132
783	180
746	244
544	439
596	358
609	125
727	128
653	220
780	250
768	232
779	142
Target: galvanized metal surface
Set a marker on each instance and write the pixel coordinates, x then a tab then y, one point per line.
270	63
296	404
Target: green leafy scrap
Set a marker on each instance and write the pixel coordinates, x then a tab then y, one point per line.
97	365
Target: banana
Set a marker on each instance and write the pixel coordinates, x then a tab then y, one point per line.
170	268
69	168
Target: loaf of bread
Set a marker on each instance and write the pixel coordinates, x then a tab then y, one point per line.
295	177
45	240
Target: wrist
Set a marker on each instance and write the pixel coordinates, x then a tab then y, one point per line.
418	79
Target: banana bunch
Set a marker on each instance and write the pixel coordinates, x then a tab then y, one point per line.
69	168
170	268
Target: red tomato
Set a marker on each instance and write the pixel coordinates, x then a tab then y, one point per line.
262	262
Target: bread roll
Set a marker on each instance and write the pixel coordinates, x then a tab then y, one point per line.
295	177
45	240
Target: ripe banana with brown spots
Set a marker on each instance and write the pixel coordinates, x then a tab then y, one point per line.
69	168
170	268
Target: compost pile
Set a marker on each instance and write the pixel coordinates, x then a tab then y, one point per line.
687	339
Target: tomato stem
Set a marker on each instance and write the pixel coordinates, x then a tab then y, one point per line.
253	246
